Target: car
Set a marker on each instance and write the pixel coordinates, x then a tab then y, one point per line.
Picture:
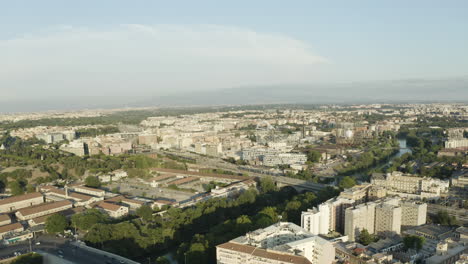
38	243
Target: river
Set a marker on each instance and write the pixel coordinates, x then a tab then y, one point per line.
403	148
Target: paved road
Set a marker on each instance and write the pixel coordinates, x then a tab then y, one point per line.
59	247
221	164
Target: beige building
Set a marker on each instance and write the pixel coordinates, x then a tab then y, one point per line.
158	204
358	218
112	209
147	139
281	243
4	219
42	209
132	203
21	201
10	229
89	190
55	194
413	213
387	219
358	193
448	251
399	183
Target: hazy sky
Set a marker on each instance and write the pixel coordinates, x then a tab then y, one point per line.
54	49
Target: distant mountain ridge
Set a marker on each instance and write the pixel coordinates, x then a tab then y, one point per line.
400	91
453	90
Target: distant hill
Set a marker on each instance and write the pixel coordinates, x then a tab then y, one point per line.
401	91
455	90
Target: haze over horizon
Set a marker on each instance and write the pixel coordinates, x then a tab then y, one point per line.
57	55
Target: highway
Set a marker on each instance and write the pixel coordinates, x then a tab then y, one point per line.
218	163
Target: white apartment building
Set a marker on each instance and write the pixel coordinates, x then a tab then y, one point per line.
457	143
281	243
251	154
317	220
284	158
329	216
76	147
359	217
383	217
387	219
20	201
413	213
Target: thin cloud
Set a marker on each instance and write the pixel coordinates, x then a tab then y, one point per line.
149	60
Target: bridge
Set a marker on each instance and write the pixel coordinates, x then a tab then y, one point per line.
298	184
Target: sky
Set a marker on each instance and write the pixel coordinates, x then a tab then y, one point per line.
116	49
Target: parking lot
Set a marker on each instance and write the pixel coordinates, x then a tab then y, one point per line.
136	188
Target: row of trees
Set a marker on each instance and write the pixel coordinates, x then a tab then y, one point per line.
376	151
193	232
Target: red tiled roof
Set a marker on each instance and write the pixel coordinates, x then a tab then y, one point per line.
20	198
4	217
43	207
120	198
162	177
108	206
10	227
89	189
68	212
184	180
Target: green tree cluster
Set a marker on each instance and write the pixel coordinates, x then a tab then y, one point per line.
414	242
92	181
56	223
347	182
365	237
444	218
30	258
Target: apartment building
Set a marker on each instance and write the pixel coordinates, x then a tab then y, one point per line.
328	216
42	209
21	201
283	158
317	220
281	243
421	187
358	218
387	219
413	213
358	193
